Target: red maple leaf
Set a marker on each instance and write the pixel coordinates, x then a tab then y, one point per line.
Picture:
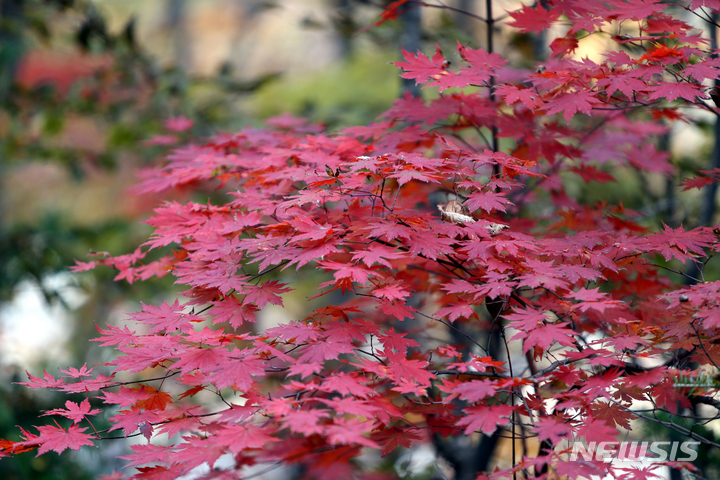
564	45
476	390
484	418
533	19
571	103
553	428
422	69
242	436
58	439
706	177
529	97
591	173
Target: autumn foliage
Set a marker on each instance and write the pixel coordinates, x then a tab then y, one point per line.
521	311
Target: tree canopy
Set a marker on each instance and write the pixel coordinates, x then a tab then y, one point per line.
463	291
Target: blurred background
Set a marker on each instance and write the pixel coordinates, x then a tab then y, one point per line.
86	88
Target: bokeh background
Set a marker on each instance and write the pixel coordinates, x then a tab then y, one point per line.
86	88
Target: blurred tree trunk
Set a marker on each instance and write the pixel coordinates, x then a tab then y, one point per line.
10	43
465	22
709	199
707	212
670	185
10	54
410	40
344	27
177	22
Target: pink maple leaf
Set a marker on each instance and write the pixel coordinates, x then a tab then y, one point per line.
58	439
73	411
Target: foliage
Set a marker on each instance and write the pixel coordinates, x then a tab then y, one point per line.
467	292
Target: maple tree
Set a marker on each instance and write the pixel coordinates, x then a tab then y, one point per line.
467	292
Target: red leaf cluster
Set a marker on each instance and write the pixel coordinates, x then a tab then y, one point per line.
399	353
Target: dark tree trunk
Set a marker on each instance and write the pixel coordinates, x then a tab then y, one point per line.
10	43
707	208
410	41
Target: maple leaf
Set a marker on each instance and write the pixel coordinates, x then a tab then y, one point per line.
268	292
48	381
319	250
396	437
130	420
591	173
674	90
482	65
667	396
542	338
593	299
714	4
552	428
144	454
476	390
528	97
306	422
242	436
596	430
196	451
238	372
391	291
165	317
706	177
115	336
153	399
83	266
397	342
479	364
570	103
457	310
73	411
346	384
702	70
681	244
376	253
485	418
349	432
390	12
612	414
318	352
564	45
408	173
342	270
231	310
527	319
411	370
396	308
487	201
533	19
58	439
423	69
351	406
625	82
